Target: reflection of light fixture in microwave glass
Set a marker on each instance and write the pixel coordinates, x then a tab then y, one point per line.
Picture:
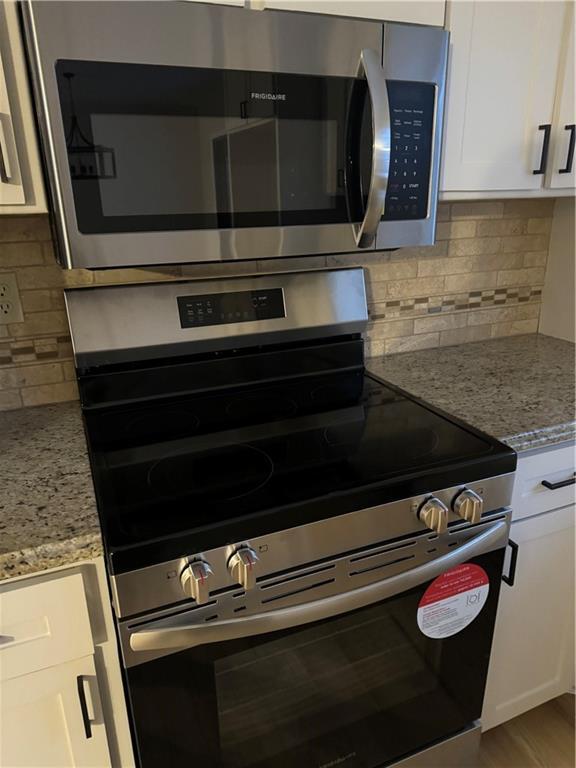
86	160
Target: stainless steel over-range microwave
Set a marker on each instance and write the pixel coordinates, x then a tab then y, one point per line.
189	132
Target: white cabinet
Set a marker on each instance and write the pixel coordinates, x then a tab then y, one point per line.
53	719
21	183
416	12
50	706
561	173
532	657
506	59
413	12
11	186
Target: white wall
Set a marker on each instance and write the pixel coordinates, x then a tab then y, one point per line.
558	317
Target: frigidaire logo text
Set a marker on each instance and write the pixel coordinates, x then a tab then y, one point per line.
269	96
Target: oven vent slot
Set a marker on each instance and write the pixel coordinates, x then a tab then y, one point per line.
299	575
379	551
378	566
307	588
186	609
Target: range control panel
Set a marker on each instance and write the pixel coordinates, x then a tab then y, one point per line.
412	119
236	307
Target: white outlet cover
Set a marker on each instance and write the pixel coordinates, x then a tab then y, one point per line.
10	306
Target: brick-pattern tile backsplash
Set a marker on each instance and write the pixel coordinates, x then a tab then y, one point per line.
483	278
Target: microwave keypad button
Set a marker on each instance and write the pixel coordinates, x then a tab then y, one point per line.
412	113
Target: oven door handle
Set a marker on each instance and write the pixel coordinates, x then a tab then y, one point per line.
175	633
371	68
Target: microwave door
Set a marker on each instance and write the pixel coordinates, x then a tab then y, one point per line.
182	152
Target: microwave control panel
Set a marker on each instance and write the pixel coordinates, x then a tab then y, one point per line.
411	126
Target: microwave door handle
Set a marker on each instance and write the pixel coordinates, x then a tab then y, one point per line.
371	68
169	634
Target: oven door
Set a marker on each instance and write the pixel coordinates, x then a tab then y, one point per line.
228	133
364	678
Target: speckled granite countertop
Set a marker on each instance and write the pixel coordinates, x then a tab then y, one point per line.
519	389
48	512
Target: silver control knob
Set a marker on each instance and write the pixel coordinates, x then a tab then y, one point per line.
195	580
468	505
434	514
242	567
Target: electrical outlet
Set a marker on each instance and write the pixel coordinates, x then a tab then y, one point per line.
10	306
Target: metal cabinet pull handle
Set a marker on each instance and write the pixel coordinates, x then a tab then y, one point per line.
5	167
80	682
179	632
547	128
371	67
570	156
511	577
559	484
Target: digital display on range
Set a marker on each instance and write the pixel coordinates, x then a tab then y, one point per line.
240	307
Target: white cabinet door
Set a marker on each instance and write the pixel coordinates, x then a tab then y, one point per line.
11	185
561	167
21	181
502	74
53	719
42	624
417	12
533	649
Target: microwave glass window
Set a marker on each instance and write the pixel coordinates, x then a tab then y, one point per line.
154	148
239	172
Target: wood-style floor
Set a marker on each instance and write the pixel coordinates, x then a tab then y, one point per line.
541	738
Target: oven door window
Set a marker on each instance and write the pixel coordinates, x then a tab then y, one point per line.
154	148
360	690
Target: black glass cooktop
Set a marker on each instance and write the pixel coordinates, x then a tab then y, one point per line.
302	449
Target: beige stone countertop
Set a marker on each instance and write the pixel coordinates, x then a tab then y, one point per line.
48	514
519	389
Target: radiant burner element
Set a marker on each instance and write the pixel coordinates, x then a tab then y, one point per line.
221	474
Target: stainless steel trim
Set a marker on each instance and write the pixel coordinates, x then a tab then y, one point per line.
370	65
142	321
173	633
459	751
154	587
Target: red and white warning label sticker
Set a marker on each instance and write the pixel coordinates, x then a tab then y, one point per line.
453	600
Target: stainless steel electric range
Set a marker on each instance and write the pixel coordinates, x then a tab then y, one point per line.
304	561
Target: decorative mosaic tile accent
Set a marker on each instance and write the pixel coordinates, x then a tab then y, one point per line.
482	278
36	350
472	300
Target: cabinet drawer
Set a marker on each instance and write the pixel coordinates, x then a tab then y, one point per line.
42	625
530	497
